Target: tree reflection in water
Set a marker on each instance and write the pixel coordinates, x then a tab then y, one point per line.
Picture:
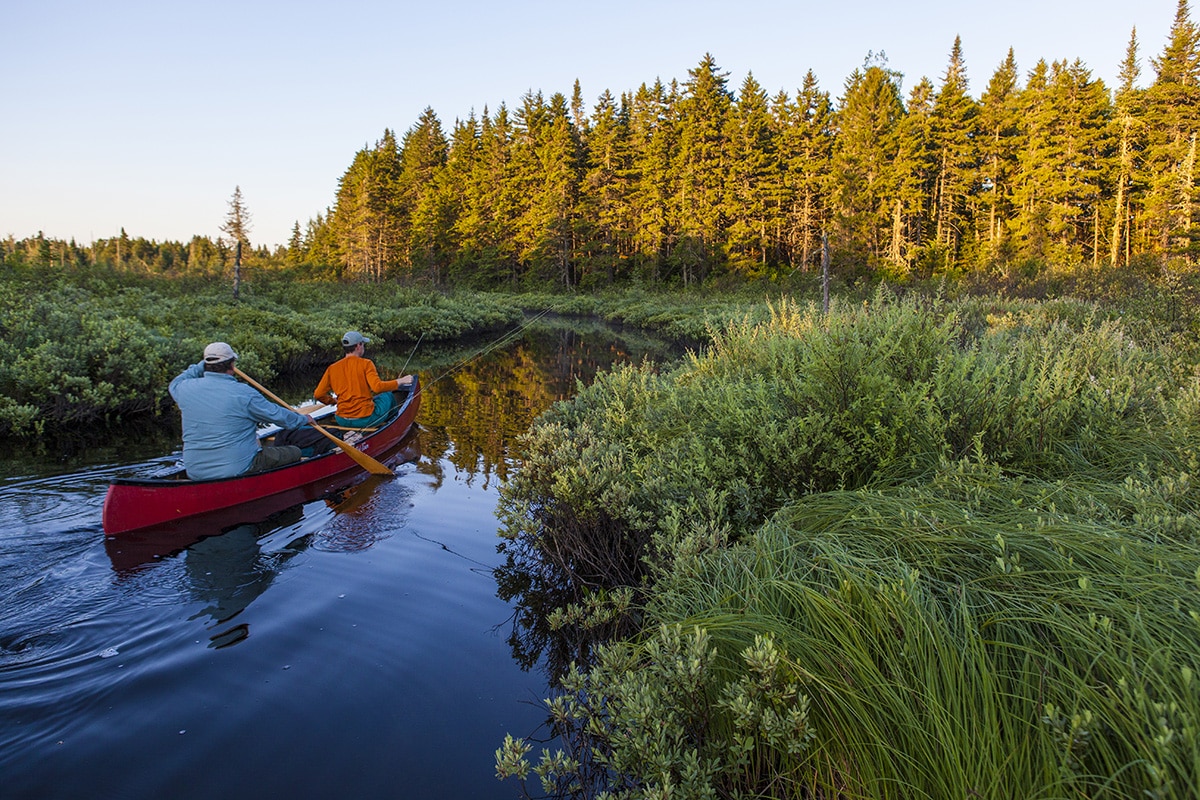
472	417
478	399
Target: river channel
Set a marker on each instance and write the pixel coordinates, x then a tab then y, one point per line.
349	648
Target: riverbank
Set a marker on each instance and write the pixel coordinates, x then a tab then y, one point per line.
911	544
86	349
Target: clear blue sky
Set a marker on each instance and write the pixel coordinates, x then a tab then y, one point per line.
145	114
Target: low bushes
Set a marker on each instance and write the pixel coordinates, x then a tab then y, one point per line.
77	350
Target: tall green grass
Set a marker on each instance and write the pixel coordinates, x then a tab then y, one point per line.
903	550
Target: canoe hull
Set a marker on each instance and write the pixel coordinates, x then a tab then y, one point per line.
134	505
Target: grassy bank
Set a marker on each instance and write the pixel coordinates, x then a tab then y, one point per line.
912	549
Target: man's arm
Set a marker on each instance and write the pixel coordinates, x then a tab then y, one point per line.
264	411
324	390
194	371
379	386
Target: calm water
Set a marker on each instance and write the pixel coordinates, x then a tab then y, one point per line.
348	650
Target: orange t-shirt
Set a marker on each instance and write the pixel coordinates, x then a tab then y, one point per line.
355	383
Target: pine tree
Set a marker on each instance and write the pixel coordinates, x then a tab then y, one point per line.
954	121
753	172
703	111
999	139
862	171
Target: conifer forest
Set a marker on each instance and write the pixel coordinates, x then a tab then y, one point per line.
1039	167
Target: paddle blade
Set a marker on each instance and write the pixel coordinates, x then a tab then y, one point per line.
365	461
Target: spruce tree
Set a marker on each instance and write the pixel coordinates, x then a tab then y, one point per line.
1173	114
753	170
703	111
605	211
999	139
954	129
653	139
916	175
423	154
1129	133
863	165
805	151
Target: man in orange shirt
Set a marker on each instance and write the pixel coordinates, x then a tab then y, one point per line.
363	400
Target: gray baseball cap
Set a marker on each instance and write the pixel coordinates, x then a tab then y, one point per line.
354	337
217	352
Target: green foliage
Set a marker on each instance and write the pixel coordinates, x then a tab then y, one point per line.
102	348
969	532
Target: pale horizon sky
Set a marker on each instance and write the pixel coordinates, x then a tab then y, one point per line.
146	114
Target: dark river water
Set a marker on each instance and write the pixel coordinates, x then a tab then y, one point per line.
342	650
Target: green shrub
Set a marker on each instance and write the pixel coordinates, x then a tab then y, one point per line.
970	537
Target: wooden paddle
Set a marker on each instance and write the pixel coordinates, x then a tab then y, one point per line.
364	460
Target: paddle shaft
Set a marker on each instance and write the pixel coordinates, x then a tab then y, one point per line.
364	460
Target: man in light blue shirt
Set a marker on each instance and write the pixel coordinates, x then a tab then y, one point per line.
221	417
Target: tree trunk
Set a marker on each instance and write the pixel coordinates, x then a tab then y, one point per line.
1114	250
237	269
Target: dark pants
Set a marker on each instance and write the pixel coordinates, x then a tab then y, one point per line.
270	457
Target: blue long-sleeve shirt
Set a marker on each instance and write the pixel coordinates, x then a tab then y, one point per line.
220	417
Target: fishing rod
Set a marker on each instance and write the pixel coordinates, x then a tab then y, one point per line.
414	352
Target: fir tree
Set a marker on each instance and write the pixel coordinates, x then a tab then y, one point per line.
1173	108
753	174
805	150
863	159
703	111
999	139
954	120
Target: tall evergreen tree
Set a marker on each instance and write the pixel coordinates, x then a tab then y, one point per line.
999	139
703	111
237	226
1067	116
605	211
806	147
916	177
653	139
954	128
368	219
422	156
752	174
1173	106
1129	134
863	159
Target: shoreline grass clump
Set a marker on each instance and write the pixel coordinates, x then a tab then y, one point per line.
877	554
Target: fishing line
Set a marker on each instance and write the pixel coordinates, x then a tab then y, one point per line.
488	348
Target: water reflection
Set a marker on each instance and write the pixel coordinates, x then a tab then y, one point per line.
134	551
230	571
101	671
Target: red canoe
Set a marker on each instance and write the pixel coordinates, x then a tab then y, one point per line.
136	505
